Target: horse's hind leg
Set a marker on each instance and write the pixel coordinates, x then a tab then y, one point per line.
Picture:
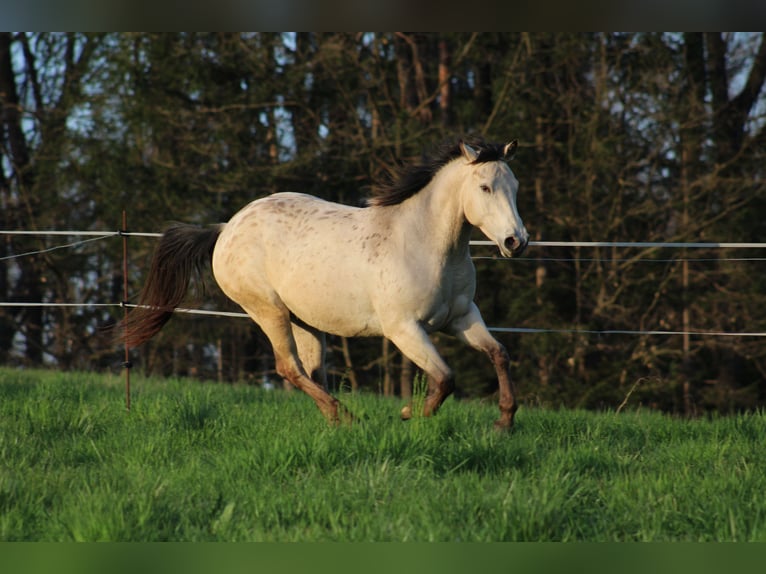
312	345
275	322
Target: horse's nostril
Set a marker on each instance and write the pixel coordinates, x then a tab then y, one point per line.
515	245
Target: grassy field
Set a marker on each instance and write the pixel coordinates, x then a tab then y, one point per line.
195	461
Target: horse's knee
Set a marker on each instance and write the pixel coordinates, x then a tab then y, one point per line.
282	369
288	370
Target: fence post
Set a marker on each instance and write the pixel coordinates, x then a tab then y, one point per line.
126	364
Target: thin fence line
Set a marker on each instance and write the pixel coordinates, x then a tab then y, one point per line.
98	236
54	248
51	232
514	329
34	304
139	234
95	236
616	259
639	244
527	330
192	311
82	233
623	332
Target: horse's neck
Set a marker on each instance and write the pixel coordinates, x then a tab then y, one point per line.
436	213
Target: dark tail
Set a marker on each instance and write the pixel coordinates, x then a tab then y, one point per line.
183	251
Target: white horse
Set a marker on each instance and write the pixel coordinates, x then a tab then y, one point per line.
399	268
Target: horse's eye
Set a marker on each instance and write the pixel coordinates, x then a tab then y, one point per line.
485	188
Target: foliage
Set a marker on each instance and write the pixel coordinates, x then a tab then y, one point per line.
237	463
623	136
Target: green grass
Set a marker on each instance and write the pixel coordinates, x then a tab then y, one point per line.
196	461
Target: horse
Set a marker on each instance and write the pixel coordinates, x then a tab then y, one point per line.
398	266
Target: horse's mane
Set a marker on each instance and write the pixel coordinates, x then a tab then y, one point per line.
405	181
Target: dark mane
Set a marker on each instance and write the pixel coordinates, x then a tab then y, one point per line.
405	181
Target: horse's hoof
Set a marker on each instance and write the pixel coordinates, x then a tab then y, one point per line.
406	413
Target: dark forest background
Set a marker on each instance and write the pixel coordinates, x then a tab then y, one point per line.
623	137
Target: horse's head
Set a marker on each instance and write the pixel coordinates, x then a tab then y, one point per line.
489	197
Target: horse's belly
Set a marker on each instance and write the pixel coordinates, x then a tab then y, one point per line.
332	308
330	291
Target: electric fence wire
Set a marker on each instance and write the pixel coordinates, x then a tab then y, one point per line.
675	245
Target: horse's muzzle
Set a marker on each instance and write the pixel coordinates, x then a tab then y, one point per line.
516	246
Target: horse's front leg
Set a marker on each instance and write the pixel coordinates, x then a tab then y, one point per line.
415	344
470	329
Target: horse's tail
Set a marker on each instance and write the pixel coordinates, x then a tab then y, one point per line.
184	250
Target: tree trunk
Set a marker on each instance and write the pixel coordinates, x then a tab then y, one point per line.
405	379
29	288
6	316
386	359
541	271
349	364
445	109
483	89
692	113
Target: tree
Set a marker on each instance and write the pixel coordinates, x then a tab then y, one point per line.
623	136
36	104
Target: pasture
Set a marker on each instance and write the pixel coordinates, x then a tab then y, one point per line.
206	462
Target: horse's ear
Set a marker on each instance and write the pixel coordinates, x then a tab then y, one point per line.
510	150
468	152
